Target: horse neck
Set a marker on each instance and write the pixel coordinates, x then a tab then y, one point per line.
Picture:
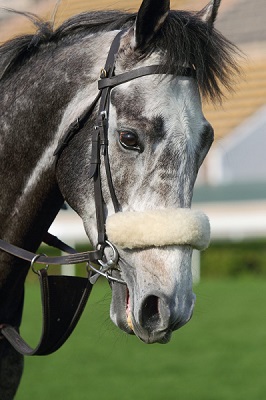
31	198
42	98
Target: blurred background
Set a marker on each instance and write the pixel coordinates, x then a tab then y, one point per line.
220	354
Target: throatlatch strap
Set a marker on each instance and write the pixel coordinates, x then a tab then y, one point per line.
63	301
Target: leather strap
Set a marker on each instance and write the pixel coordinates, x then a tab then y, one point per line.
137	73
92	256
100	146
53	241
63	301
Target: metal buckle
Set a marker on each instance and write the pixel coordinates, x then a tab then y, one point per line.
112	262
103	73
106	266
104	115
33	261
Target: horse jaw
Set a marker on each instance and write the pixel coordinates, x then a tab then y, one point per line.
158	296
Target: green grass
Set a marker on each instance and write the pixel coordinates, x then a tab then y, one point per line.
219	355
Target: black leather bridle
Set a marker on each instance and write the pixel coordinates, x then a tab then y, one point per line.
100	135
64	298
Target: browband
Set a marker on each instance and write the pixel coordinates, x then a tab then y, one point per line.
137	73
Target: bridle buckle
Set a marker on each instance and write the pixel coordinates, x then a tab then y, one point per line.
113	260
103	114
106	266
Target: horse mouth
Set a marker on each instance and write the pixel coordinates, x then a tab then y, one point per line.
128	312
120	311
122	315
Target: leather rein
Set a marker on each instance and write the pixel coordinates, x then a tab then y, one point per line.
64	297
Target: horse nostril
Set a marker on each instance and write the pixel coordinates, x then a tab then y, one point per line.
150	316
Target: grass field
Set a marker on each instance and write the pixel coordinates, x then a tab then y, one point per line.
219	355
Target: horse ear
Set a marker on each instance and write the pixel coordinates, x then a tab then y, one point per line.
209	13
151	16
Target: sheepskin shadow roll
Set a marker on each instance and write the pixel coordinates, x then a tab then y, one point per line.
157	228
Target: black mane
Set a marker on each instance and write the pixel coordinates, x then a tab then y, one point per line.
184	39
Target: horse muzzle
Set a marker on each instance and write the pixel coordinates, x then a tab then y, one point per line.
151	309
156	320
155	249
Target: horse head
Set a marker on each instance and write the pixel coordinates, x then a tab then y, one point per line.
157	140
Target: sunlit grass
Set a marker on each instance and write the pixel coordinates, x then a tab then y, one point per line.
219	355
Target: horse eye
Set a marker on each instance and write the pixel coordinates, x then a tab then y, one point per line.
129	140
